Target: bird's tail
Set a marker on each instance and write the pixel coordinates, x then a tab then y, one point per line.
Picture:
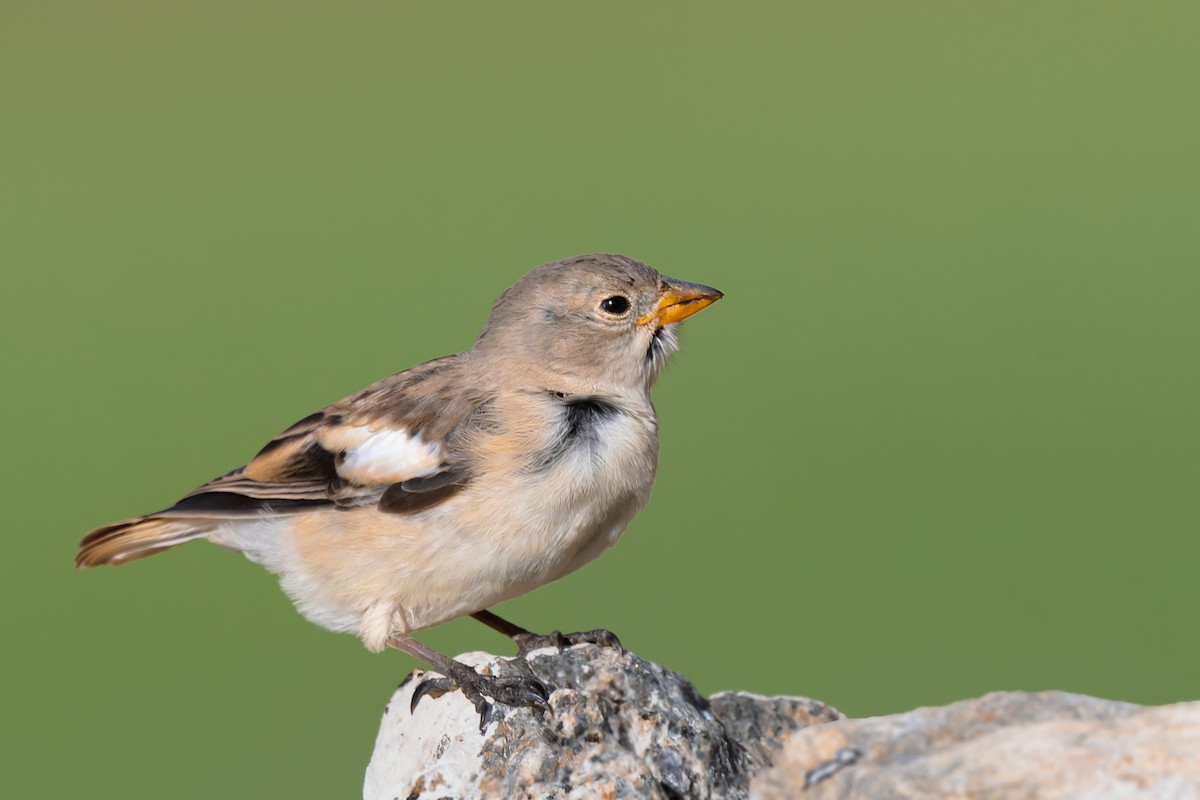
137	538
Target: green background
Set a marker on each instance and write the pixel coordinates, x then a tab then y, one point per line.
939	439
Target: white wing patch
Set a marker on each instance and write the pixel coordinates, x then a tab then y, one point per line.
388	455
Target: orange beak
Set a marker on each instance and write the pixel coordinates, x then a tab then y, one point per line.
679	300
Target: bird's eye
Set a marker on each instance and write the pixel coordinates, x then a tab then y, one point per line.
615	305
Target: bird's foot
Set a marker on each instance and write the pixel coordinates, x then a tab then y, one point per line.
516	691
528	642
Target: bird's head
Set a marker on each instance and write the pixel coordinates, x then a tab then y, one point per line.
600	322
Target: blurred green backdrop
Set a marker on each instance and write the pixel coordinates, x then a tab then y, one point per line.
940	438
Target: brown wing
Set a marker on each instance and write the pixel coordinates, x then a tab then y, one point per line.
395	443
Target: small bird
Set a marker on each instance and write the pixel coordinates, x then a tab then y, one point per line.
461	482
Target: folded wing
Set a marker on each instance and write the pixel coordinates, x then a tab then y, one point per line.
395	445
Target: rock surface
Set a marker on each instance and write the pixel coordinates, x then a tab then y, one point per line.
1003	745
622	727
619	727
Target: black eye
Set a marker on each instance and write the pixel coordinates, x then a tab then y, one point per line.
615	304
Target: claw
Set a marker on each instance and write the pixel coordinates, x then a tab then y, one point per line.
528	642
526	692
601	638
434	687
485	716
511	691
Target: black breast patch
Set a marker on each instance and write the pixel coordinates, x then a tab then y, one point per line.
583	421
585	417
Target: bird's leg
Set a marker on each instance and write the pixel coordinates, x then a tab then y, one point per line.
509	690
527	641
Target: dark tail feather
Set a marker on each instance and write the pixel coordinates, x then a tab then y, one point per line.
137	538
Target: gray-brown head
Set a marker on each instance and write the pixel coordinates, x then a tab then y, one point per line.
601	322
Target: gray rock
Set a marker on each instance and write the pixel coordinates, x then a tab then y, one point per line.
619	727
1003	745
622	727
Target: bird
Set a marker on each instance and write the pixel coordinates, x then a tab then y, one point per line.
440	491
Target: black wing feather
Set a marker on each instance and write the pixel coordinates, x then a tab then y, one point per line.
418	494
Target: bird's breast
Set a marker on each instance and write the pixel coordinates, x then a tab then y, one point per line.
585	469
596	449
